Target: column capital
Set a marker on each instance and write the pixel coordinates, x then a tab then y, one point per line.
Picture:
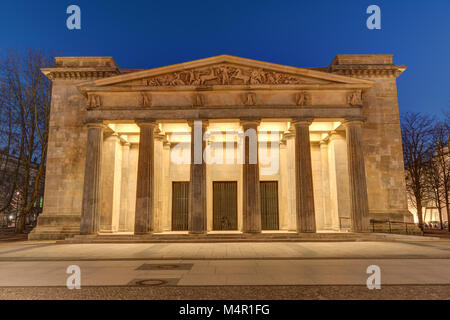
95	124
205	122
249	121
146	122
159	136
290	133
353	121
303	121
333	135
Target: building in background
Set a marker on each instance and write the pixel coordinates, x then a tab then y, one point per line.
11	196
430	212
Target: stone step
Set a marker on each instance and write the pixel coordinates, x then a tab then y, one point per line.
308	237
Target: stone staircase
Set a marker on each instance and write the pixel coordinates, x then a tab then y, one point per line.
240	237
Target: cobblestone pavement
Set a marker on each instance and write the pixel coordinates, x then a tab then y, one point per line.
233	292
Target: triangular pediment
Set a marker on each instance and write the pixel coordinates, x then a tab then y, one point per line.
225	70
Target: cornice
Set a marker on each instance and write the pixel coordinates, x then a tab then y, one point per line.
368	71
80	73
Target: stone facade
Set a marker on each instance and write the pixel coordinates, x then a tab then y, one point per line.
115	135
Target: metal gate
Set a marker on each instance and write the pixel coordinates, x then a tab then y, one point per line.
225	205
180	206
269	205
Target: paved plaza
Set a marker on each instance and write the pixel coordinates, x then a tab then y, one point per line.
226	270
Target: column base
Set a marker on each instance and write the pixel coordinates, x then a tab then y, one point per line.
143	233
55	227
197	232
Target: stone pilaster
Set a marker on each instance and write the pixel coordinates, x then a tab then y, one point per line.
90	212
251	203
289	136
357	176
197	185
124	206
145	179
306	221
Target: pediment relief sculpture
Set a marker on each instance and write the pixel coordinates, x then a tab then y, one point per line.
224	75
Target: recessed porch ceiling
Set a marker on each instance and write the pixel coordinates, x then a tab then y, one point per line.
180	132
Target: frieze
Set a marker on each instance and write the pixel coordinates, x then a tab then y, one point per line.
354	98
224	75
94	101
303	98
198	100
145	99
249	99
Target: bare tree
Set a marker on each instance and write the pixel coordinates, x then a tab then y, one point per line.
434	186
25	95
441	163
417	138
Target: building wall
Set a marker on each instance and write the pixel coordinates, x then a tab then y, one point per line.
66	153
382	142
65	162
382	146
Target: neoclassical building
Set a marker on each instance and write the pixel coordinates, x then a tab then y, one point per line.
122	156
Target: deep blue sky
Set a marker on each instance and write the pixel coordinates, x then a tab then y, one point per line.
146	34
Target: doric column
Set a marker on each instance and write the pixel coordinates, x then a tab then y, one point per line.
159	181
338	176
90	212
167	226
197	185
145	179
111	182
290	145
283	201
357	176
327	220
123	226
251	202
306	221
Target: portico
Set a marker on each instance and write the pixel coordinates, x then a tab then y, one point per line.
222	144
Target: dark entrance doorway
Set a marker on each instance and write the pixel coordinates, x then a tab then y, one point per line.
269	205
180	206
225	205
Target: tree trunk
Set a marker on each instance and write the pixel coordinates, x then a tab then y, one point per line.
448	211
419	212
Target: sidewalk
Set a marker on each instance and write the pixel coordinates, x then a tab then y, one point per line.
8	234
